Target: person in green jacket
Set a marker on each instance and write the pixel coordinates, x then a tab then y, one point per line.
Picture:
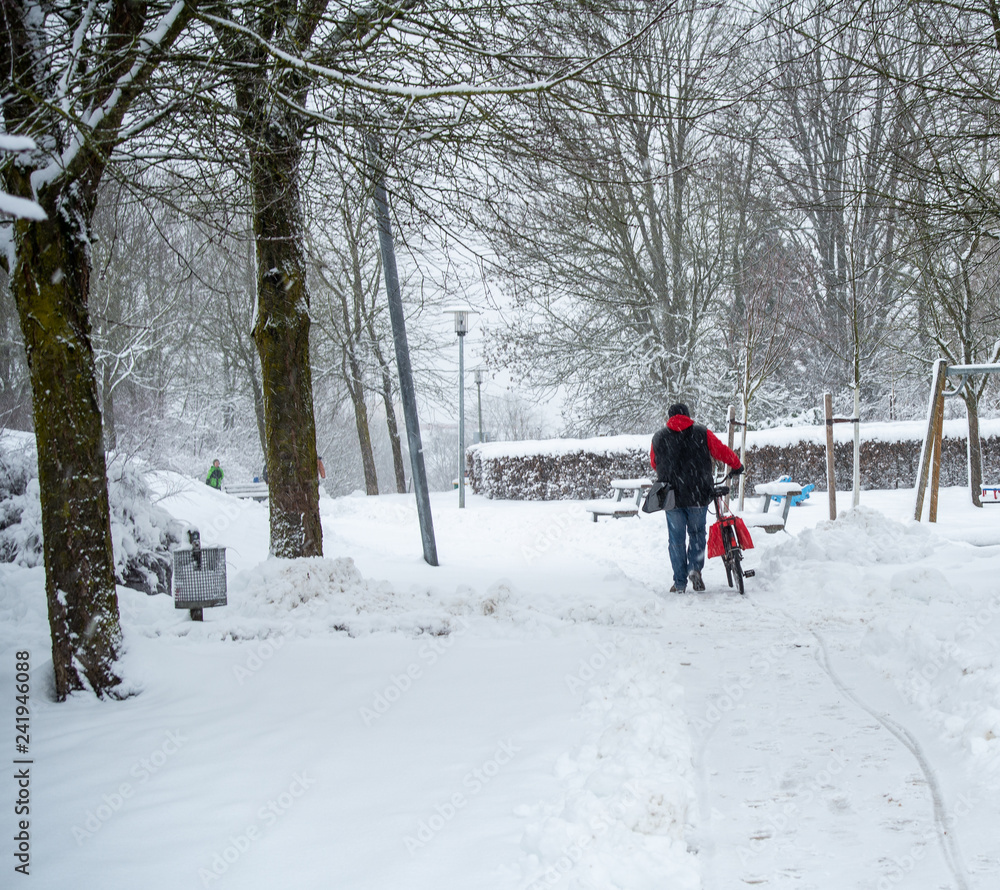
214	475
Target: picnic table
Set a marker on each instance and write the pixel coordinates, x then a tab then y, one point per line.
771	522
619	505
257	491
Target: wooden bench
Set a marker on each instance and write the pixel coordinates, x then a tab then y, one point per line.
771	522
991	494
257	491
618	506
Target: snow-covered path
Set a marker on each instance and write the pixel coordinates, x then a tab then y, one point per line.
798	785
837	729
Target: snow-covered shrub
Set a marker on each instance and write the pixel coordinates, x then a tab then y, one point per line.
142	533
20	509
555	469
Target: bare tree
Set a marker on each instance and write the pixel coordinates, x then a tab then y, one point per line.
608	220
838	126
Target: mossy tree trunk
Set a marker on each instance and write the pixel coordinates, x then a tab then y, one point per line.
281	333
73	109
50	284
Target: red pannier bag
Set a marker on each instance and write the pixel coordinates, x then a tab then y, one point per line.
715	547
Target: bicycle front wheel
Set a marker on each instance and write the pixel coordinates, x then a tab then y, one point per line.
737	556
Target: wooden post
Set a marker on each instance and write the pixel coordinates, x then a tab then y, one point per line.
856	422
831	476
743	453
936	461
935	407
731	428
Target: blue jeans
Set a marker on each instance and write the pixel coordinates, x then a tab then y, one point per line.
690	558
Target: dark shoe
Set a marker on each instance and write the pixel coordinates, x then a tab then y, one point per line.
696	582
675	589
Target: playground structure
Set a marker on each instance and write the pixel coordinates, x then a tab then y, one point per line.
930	454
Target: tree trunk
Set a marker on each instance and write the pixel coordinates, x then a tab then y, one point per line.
110	432
357	392
282	337
390	411
390	420
50	283
975	447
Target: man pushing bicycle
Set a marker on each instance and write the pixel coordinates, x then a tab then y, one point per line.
682	454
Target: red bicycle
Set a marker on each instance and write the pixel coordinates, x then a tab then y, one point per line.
728	537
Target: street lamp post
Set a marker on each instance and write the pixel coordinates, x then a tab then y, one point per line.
478	377
461	315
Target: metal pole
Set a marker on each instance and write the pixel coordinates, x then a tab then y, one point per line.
406	390
831	475
461	420
479	399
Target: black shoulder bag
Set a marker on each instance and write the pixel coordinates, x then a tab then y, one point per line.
660	497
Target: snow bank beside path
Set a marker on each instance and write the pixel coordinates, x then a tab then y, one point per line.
925	613
627	791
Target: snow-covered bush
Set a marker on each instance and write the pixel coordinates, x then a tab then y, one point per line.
555	469
142	533
20	509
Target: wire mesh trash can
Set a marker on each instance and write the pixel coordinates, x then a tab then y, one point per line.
199	579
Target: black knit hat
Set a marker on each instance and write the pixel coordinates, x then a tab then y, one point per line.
679	408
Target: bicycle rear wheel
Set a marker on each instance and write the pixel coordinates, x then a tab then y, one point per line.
729	548
737	556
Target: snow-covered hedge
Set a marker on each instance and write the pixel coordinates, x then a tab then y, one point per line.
554	469
142	533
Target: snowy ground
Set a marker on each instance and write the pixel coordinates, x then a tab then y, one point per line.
535	712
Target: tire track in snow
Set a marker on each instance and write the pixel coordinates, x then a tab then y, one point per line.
948	841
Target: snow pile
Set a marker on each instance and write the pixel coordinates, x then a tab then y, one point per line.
945	661
320	596
627	793
860	537
925	612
